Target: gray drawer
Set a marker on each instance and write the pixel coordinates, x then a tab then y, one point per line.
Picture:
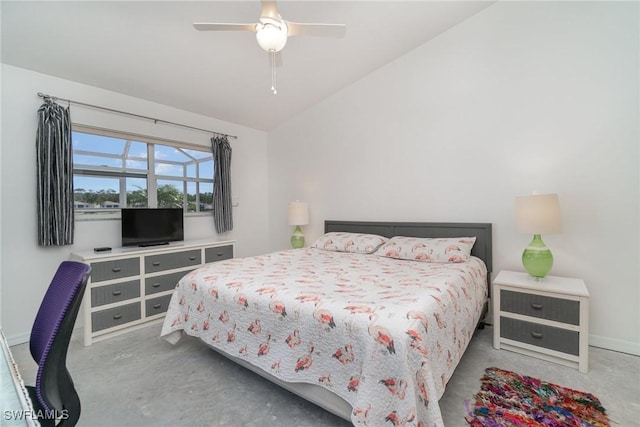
557	339
543	307
114	316
153	285
173	260
219	253
115	293
116	269
157	305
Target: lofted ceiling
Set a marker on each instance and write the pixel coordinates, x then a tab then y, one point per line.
149	49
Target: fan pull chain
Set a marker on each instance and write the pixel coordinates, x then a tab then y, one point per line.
273	72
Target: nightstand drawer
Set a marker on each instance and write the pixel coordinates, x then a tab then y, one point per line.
218	253
170	261
157	305
153	285
116	269
117	292
543	307
557	339
115	316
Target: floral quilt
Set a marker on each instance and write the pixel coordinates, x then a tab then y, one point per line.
384	334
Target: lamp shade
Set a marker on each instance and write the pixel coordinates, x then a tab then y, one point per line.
298	213
538	214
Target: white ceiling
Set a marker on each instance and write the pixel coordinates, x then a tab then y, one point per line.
150	50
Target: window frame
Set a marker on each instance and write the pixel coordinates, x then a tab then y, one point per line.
149	174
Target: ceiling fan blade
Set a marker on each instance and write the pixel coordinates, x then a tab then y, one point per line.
269	10
209	26
318	30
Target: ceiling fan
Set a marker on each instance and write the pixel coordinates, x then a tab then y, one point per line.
272	31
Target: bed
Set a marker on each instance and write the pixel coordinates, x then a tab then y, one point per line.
370	337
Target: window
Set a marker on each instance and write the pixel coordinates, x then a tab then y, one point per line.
113	170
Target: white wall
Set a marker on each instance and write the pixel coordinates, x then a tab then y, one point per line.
1	97
523	96
26	268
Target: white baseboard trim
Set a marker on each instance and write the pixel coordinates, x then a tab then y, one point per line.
18	339
615	344
24	337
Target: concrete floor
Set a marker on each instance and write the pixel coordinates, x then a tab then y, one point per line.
138	379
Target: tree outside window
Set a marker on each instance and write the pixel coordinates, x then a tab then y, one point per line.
114	170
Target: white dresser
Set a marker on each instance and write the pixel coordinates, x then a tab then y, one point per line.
545	318
129	287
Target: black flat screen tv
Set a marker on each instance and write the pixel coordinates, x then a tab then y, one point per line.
150	227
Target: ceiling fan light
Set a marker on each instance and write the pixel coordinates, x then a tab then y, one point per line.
272	37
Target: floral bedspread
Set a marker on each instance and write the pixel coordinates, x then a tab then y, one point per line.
383	334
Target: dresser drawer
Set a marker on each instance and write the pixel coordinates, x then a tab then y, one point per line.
162	262
557	339
115	293
543	307
219	253
157	305
116	269
114	316
153	285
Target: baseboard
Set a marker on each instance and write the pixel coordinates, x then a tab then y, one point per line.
614	344
18	339
24	337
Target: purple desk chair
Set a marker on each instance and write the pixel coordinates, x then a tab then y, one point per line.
54	397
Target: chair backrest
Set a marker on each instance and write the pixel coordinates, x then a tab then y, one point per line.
50	338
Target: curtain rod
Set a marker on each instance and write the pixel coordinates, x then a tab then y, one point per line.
70	101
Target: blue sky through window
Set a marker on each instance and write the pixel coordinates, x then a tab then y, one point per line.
120	156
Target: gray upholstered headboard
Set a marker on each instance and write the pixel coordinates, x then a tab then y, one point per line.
482	231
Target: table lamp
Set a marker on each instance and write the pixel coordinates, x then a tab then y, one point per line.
538	214
298	215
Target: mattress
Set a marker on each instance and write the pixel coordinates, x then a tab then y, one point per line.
383	334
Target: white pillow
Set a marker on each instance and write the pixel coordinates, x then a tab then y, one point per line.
349	242
452	249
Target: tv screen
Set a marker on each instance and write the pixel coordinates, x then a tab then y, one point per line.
149	227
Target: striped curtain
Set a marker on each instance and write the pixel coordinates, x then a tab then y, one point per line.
222	214
55	175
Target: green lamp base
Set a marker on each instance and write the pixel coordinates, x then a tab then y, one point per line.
297	238
537	258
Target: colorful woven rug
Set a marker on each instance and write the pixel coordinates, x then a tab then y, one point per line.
507	399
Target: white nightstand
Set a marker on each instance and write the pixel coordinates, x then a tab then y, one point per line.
547	318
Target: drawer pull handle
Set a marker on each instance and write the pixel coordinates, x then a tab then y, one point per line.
117	293
219	254
536	334
157	306
156	285
536	306
117	316
156	263
192	257
116	269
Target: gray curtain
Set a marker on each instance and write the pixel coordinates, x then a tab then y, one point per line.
222	214
55	175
